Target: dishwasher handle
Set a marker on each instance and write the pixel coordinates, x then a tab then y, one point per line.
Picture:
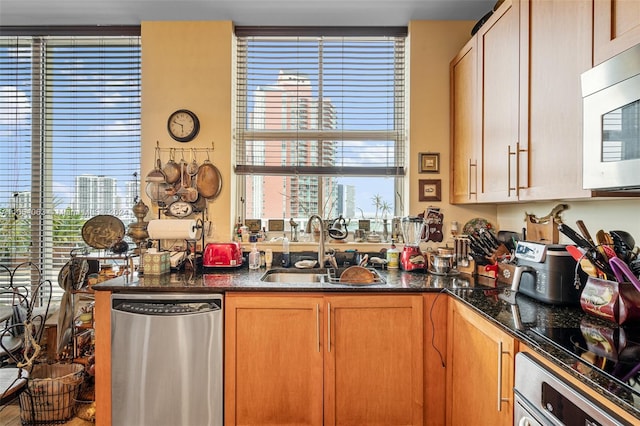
165	307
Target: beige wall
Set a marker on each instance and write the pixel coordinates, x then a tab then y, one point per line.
189	65
432	45
608	215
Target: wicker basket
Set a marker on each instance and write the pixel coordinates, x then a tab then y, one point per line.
51	393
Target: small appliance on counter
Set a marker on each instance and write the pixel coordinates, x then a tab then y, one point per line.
413	230
547	273
222	255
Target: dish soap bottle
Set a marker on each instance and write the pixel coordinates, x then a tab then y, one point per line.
254	258
393	256
286	260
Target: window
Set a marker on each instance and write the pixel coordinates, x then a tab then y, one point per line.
320	122
69	141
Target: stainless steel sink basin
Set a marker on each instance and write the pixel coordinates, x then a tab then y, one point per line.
293	276
330	276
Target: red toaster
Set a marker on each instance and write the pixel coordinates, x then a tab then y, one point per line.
222	255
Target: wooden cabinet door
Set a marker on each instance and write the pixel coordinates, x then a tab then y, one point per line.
273	360
480	368
616	27
498	78
555	49
373	369
435	350
464	125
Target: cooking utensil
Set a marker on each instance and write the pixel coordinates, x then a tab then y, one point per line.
595	256
208	180
192	168
356	275
623	244
585	232
622	272
586	265
171	169
156	175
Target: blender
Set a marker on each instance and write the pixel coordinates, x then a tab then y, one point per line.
413	230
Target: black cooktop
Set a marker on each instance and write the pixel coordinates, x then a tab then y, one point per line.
613	351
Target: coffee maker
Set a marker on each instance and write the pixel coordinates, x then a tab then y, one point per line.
414	229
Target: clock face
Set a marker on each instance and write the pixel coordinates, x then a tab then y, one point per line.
183	125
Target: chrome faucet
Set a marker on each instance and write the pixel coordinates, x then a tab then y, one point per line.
321	252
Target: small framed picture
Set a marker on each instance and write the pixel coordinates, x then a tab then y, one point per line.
254	225
430	190
364	224
429	162
276	225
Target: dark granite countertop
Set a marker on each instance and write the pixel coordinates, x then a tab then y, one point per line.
521	319
518	320
243	279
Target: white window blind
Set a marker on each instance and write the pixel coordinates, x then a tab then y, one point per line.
314	102
69	141
321	104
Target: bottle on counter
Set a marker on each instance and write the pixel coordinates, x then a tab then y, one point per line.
254	257
286	259
393	256
268	258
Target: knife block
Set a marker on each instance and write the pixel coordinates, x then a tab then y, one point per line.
546	233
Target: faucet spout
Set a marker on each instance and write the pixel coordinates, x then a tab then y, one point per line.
321	251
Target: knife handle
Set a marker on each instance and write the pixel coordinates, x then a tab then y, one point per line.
585	232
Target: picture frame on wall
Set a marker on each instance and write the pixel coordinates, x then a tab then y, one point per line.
429	190
429	162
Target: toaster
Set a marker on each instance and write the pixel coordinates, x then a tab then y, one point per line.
222	255
547	273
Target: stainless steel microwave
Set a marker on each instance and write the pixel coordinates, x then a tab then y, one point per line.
611	108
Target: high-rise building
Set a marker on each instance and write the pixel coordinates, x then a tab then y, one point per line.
289	105
95	195
346	200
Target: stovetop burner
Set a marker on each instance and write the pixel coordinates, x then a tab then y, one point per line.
613	351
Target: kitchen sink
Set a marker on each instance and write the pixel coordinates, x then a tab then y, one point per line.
294	276
328	276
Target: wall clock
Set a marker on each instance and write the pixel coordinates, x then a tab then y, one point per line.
183	125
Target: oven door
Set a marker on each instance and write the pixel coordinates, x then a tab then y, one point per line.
611	108
542	398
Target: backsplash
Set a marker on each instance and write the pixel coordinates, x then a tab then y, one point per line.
611	214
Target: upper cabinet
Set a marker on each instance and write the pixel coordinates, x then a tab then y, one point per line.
530	55
498	83
464	125
555	49
616	27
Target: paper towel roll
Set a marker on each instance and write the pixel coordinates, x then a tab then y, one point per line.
172	229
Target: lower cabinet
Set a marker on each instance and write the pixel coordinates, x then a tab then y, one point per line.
480	369
318	359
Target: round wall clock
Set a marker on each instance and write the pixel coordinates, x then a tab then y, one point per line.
183	125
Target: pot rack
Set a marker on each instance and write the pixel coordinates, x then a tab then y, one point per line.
186	149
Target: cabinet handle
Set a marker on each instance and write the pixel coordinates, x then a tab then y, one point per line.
509	187
469	183
518	151
329	327
500	398
318	325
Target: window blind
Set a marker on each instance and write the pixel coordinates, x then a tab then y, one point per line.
320	102
69	141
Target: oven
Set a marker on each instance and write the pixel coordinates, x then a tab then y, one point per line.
543	398
611	123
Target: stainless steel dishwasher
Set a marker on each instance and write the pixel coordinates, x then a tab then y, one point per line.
166	359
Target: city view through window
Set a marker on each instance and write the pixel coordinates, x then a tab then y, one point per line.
320	127
69	142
